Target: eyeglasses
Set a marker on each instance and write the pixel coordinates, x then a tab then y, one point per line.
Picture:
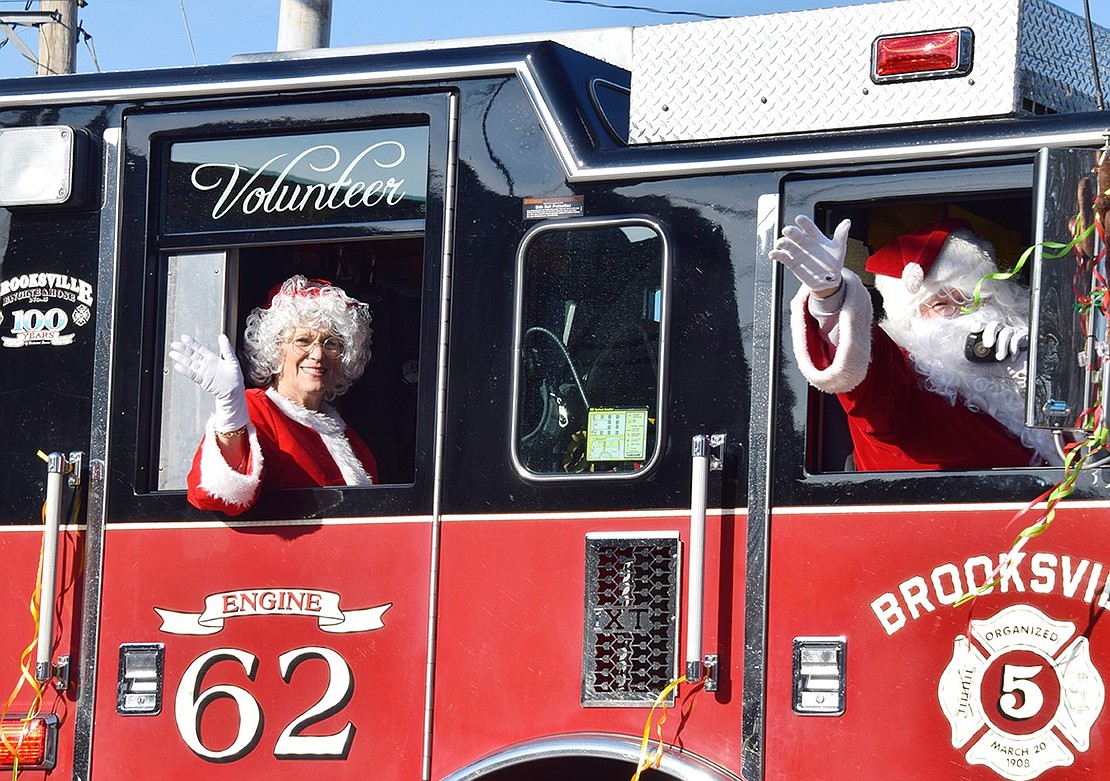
332	346
946	303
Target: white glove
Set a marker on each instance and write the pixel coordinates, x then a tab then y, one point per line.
816	260
220	375
1007	340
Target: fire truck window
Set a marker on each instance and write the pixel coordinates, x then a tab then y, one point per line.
591	303
213	292
936	405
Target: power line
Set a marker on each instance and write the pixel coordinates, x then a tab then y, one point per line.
26	18
188	33
24	49
88	40
638	8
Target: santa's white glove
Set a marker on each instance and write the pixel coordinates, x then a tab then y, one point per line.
1006	340
815	259
220	375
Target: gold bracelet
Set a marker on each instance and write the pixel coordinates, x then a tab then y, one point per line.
230	434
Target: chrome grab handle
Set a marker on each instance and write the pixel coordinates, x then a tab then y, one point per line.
699	666
55	468
695	587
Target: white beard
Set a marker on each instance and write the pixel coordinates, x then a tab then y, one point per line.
936	348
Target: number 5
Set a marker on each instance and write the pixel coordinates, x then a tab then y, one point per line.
1018	678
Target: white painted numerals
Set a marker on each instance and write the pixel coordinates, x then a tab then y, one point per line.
192	700
35	320
340	687
1018	680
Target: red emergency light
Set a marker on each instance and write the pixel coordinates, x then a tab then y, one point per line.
33	742
931	55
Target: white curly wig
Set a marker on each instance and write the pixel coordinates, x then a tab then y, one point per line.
308	303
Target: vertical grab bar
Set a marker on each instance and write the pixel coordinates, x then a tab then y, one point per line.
56	466
695	593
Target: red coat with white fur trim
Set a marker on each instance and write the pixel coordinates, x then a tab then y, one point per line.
290	447
895	423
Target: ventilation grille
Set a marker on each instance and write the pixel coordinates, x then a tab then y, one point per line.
631	619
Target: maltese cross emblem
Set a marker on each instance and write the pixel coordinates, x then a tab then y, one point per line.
1021	693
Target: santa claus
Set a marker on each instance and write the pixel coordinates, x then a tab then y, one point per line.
939	383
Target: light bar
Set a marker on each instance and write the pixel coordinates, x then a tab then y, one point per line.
931	55
36	165
33	742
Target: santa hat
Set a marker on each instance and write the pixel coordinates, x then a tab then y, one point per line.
911	256
944	254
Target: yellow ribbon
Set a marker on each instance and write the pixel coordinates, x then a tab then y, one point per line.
656	757
652	762
25	674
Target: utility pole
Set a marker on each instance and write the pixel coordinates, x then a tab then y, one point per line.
58	40
304	24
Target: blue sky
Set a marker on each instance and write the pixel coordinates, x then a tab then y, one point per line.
132	34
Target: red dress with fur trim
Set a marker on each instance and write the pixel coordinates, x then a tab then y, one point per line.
290	447
895	423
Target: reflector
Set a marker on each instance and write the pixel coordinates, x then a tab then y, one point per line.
36	165
32	742
921	55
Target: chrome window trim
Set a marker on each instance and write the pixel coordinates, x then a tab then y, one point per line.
440	425
97	507
575	168
586	223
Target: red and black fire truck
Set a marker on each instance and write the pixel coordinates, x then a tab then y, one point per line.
614	529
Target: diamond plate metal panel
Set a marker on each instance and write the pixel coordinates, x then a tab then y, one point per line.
1054	59
809	71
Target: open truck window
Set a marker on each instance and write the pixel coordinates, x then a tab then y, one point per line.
591	306
272	186
994	204
212	292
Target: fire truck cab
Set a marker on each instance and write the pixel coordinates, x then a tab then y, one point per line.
605	490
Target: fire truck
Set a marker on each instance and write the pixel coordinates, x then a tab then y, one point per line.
614	533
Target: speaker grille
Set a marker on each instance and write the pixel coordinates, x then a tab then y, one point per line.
629	650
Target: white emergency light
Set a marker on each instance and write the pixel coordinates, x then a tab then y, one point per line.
931	55
37	165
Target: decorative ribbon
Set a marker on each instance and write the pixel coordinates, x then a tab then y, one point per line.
1077	453
647	762
321	605
1058	251
26	676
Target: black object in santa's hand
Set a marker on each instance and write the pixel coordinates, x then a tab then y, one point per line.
977	352
974	349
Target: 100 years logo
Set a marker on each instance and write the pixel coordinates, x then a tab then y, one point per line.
41	308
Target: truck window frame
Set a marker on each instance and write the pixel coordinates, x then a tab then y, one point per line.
139	363
828	198
524	329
